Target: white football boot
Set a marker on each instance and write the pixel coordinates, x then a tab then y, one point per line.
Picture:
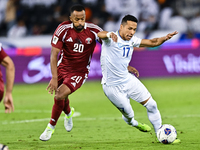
46	135
68	123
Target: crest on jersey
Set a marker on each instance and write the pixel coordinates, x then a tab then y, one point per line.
88	40
55	40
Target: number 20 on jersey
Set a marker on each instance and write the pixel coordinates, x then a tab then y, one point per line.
78	48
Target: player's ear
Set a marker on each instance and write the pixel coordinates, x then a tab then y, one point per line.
70	17
121	27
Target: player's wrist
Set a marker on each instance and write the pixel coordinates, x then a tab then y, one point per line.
108	34
54	77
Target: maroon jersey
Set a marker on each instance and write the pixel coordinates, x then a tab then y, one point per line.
2	56
76	47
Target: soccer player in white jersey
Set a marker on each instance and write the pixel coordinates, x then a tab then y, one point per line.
118	83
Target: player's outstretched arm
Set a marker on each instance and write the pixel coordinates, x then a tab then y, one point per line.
10	76
105	35
157	41
53	84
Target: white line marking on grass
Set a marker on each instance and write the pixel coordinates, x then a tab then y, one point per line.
29	111
76	114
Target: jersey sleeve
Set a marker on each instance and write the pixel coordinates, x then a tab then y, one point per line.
2	53
136	41
95	29
57	38
108	41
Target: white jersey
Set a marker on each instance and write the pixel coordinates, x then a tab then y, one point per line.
115	58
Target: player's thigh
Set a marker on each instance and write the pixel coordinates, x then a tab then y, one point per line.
62	92
119	99
137	91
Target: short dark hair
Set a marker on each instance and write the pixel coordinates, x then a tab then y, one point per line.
129	18
77	7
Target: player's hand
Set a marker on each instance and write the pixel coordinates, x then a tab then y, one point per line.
133	70
170	35
53	85
8	103
113	36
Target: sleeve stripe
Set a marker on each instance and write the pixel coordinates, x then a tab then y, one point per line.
61	29
90	25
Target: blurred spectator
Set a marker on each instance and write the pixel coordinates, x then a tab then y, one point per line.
43	16
110	24
187	8
149	15
165	16
194	23
122	7
3	4
18	30
3	28
119	8
177	23
11	13
32	3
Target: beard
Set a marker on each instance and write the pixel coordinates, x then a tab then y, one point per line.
79	28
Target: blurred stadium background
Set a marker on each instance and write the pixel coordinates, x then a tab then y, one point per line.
26	27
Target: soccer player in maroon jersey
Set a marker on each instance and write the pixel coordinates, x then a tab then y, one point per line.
7	62
75	40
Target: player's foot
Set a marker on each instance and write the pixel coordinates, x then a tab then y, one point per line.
68	123
46	135
176	141
143	127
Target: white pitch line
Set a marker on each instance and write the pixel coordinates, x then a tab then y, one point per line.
76	114
28	111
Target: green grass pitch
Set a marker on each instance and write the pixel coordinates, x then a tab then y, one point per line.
100	125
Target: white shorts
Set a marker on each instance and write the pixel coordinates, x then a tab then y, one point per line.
120	95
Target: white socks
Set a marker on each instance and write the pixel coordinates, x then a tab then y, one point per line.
52	127
130	121
153	114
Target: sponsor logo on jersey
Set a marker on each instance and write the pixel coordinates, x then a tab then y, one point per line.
55	39
120	45
69	40
88	40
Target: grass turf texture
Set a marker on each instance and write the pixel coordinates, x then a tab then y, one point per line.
100	125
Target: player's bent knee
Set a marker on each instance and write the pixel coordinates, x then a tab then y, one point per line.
59	97
151	105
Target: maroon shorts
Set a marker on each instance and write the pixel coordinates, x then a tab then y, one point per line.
72	80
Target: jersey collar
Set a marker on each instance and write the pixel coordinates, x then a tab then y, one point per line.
119	35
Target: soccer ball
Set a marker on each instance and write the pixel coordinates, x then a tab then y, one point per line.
166	134
3	147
